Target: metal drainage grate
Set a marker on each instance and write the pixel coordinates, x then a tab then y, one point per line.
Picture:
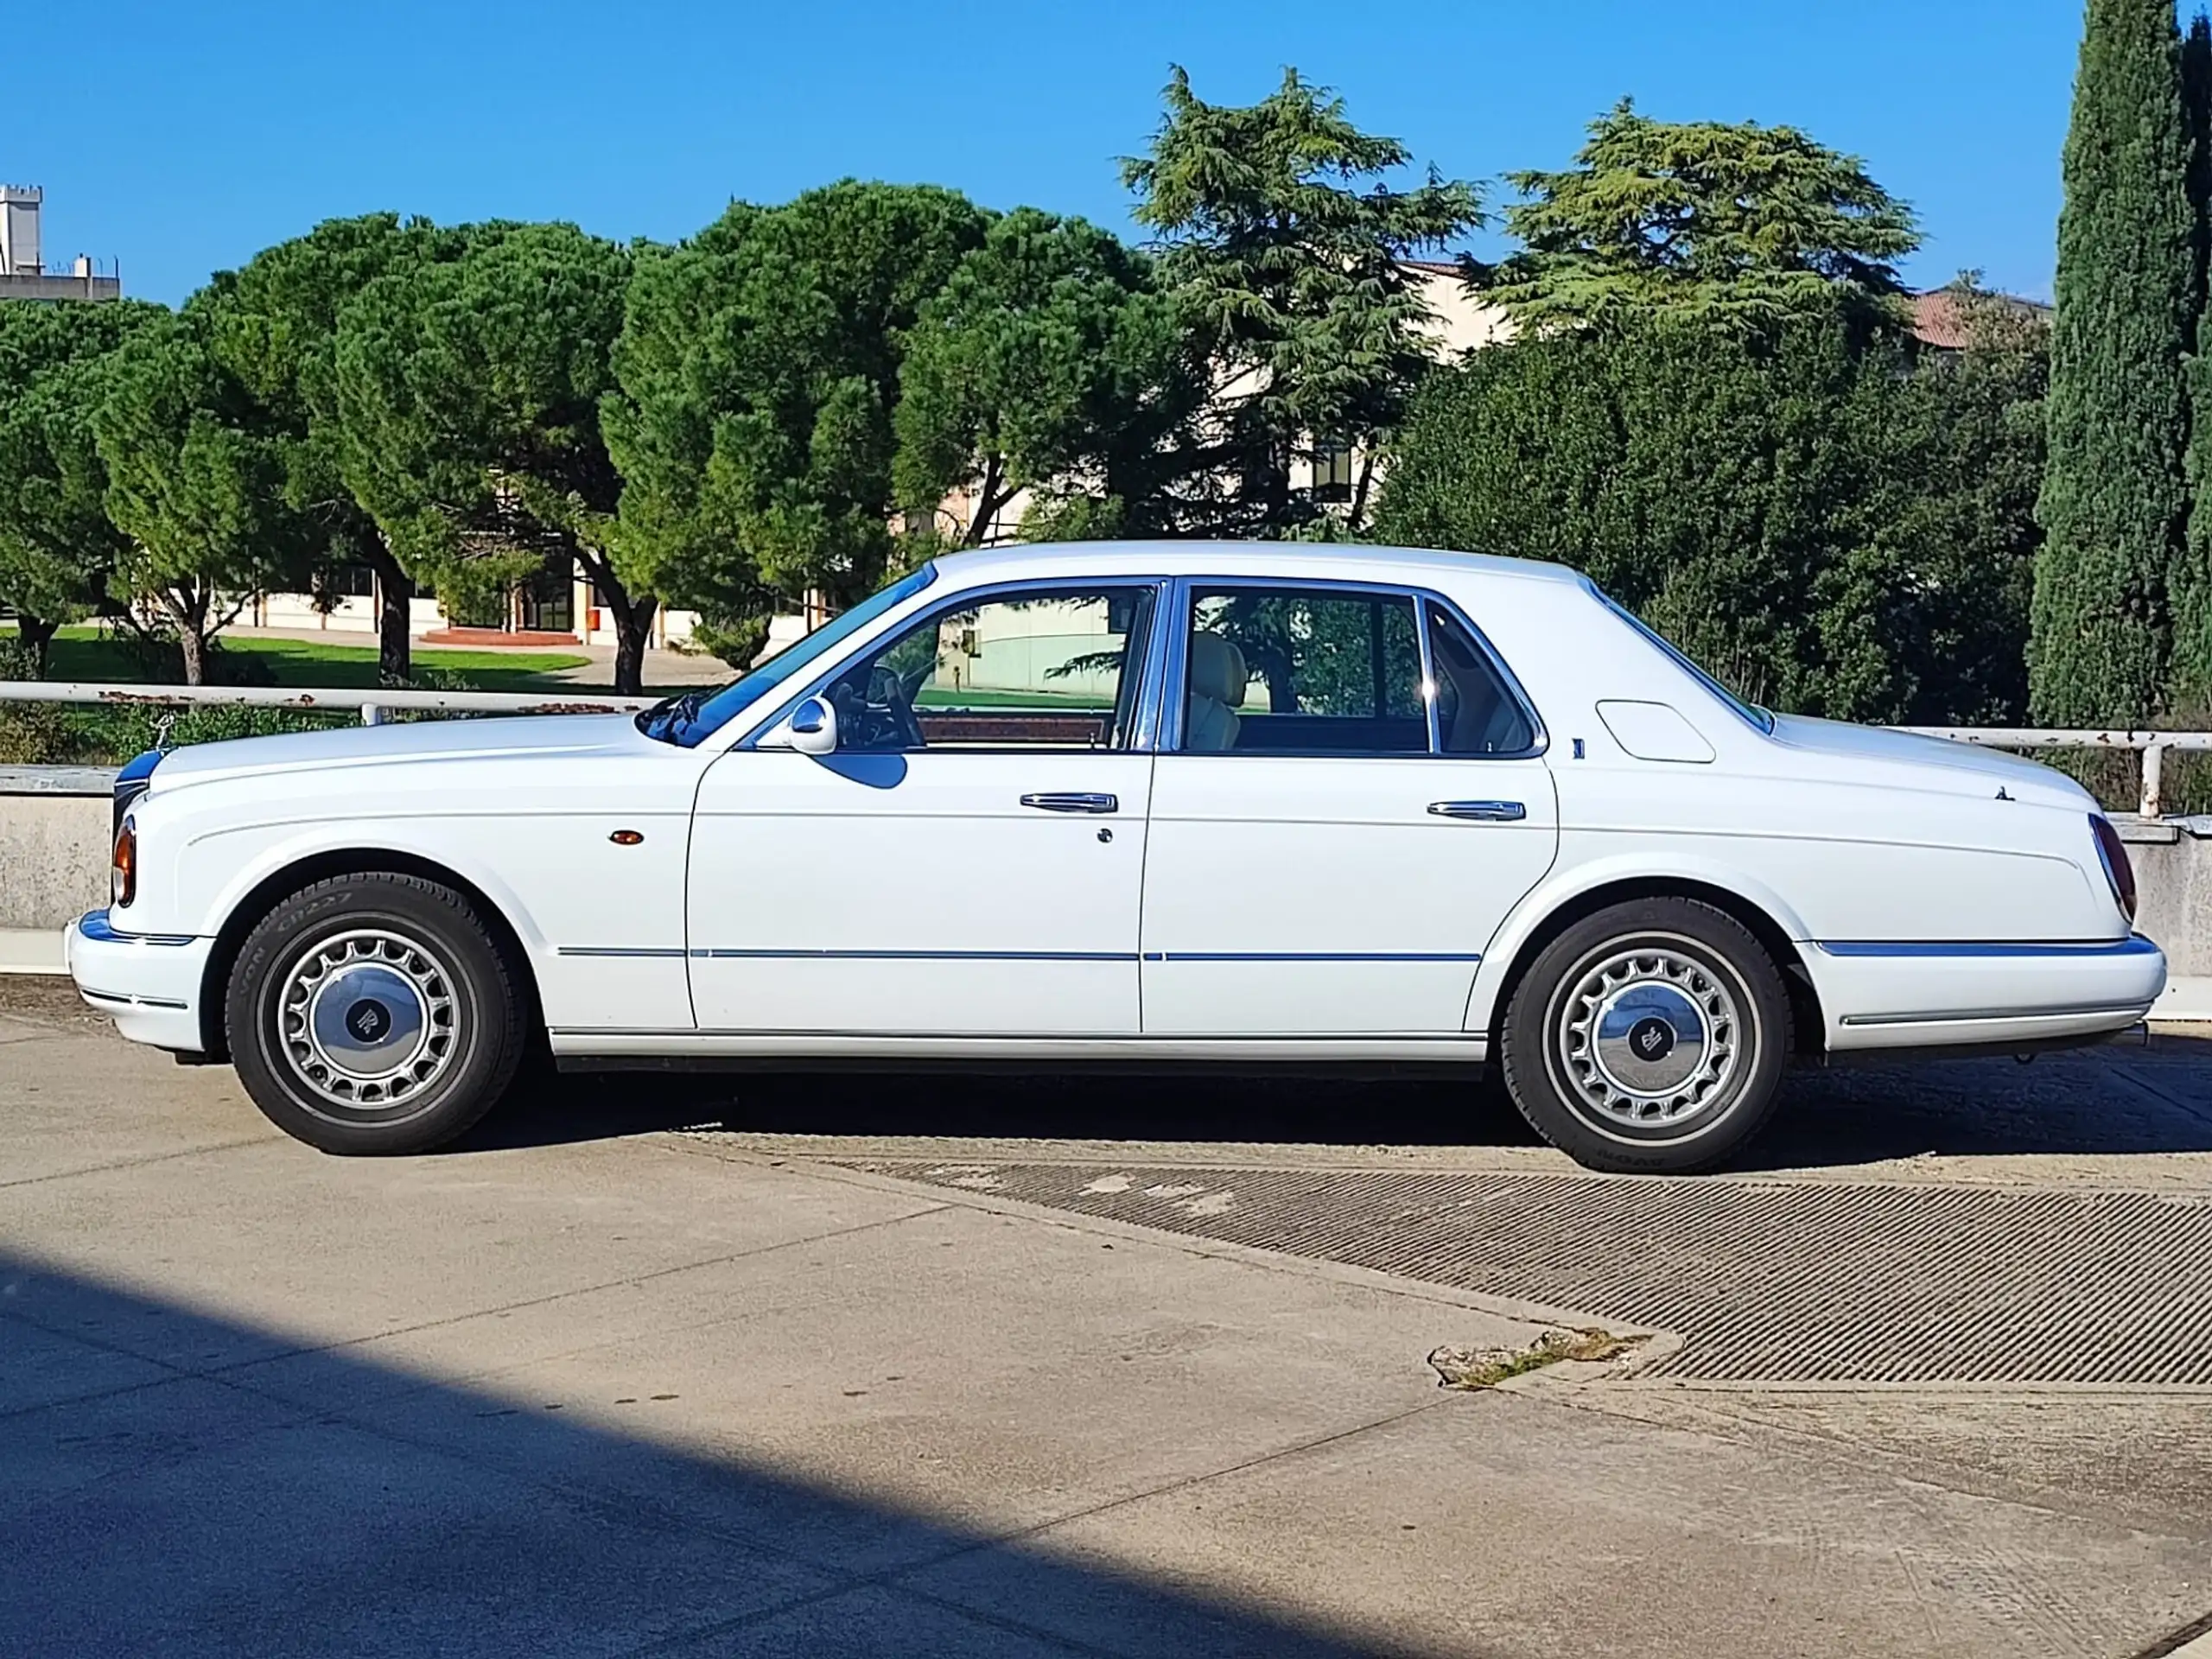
1767	1281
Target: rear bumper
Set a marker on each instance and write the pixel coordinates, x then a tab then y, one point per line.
1879	996
149	982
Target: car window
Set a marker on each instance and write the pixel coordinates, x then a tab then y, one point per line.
1034	671
1476	714
1304	671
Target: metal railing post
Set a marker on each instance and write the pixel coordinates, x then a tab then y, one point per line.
2154	768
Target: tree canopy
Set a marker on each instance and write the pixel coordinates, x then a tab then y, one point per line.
273	325
1736	223
1284	246
58	547
1049	362
757	384
469	391
1831	529
195	477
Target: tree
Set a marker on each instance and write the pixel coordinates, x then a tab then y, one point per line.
1739	224
1284	248
274	325
758	377
196	475
1834	526
1049	362
2190	671
2114	495
57	544
468	392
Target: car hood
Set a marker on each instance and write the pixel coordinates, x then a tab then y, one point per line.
464	740
1965	766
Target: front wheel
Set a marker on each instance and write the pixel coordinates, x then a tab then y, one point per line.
374	1014
1648	1038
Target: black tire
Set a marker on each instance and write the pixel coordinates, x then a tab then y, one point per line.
1647	979
374	1014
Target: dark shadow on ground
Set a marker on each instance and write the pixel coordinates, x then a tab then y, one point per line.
2121	1098
175	1484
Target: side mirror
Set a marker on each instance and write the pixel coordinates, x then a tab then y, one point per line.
813	727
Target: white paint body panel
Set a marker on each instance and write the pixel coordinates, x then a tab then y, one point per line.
915	894
1245	903
1318	896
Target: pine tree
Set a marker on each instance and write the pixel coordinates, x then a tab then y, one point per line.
2113	500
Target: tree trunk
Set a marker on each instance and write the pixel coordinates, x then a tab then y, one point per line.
36	634
194	646
633	620
633	628
394	587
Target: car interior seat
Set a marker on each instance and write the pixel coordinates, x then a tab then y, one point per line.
1217	682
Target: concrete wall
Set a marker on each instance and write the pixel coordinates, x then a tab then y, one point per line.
53	843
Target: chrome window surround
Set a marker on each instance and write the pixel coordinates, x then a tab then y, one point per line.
1144	723
1176	658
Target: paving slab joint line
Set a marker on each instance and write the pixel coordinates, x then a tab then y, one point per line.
1653	1344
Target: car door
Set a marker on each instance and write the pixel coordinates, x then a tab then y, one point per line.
968	859
1350	799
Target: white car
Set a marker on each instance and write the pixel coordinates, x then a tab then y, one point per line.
1186	802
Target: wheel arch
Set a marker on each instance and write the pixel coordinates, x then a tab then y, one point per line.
273	888
1761	922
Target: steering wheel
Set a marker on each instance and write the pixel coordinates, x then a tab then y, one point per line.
891	706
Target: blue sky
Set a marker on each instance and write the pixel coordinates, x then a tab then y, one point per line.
180	138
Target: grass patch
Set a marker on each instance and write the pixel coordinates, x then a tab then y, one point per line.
86	654
1474	1369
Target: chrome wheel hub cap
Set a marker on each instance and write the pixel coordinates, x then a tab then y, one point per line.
1648	1037
367	1019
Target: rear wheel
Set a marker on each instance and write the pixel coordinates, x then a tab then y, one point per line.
374	1014
1648	1039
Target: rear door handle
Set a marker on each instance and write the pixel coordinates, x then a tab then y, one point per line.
1072	802
1480	811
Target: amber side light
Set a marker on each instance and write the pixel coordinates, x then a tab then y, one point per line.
625	838
122	878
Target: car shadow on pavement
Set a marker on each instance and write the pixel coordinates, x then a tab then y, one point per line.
1303	1108
2121	1099
177	1482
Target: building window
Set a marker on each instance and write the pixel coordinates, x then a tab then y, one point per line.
1332	471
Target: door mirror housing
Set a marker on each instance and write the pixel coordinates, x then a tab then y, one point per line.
811	729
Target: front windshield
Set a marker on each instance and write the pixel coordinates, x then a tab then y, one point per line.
1751	713
686	719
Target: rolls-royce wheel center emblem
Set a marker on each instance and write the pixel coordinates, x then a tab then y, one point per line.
369	1020
1651	1038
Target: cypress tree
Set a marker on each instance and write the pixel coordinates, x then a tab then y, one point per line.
2190	676
2113	500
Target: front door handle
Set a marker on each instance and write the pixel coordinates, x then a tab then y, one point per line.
1069	802
1480	811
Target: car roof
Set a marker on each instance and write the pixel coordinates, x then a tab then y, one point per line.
1341	560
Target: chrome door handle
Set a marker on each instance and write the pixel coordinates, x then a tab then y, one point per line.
1480	811
1067	803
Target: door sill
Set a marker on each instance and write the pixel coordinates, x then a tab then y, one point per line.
662	1050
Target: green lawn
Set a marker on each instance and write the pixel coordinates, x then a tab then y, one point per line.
84	654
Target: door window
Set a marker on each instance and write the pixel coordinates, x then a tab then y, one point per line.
1032	671
1475	712
1303	671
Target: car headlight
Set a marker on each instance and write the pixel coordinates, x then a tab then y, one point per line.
123	875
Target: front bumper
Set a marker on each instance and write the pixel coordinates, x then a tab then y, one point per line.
150	982
1931	995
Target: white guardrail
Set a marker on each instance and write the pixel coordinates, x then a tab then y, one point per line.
374	703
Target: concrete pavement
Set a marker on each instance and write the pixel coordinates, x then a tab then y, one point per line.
608	1381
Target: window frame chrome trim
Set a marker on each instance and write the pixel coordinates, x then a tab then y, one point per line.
969	599
1183	590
